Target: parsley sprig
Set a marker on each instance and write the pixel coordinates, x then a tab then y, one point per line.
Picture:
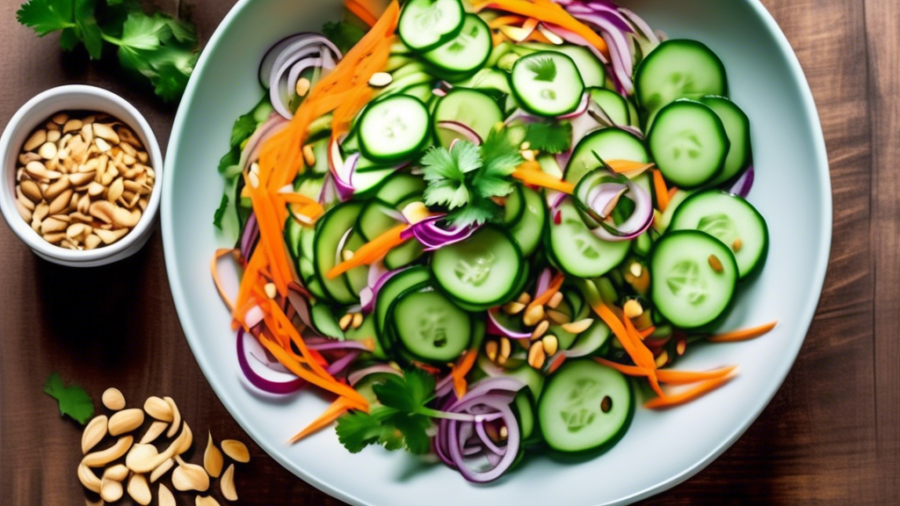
74	402
465	178
157	47
400	422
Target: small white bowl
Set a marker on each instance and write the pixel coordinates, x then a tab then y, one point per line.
36	112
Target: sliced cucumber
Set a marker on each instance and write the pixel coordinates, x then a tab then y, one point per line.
394	129
532	378
591	341
324	321
689	143
528	230
330	229
586	406
374	220
613	104
368	183
489	80
577	250
514	208
367	331
592	71
482	271
392	289
607	144
430	327
676	69
547	83
426	24
467	52
737	126
694	278
469	107
357	278
403	255
523	406
400	187
730	219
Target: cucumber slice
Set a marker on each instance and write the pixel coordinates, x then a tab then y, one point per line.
737	127
481	271
367	183
426	24
592	71
532	378
686	288
357	278
400	187
689	143
523	406
547	83
613	104
403	255
374	220
592	340
430	327
586	406
730	219
423	92
514	208
469	107
394	129
528	231
330	229
467	52
490	80
676	69
392	289
367	331
607	144
577	250
324	321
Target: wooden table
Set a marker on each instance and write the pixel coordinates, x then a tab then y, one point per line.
830	436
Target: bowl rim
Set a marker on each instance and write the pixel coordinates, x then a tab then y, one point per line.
7	197
824	190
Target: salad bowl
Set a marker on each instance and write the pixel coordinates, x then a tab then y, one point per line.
792	191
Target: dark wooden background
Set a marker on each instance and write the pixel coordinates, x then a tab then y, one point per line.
831	436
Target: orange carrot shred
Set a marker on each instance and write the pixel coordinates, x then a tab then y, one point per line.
459	371
743	335
337	408
688	395
662	193
361	11
542	179
215	274
672	377
505	21
628	165
647	332
628	370
543	298
371	252
672	191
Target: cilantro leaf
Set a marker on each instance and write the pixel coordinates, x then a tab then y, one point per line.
501	158
344	35
68	39
409	392
220	212
544	69
477	213
445	171
447	193
414	432
357	430
232	158
73	400
549	138
86	26
46	16
243	128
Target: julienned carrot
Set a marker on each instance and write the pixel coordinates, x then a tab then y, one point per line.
270	232
505	21
628	165
627	370
542	179
672	377
547	12
672	191
688	395
250	279
459	371
633	346
647	332
371	252
215	274
662	193
743	335
361	11
287	326
543	298
337	408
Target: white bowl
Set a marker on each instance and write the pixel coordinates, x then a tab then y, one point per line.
36	112
661	449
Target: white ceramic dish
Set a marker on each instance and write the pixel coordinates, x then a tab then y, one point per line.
36	112
662	448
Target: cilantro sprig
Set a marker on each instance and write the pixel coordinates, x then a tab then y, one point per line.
465	178
400	422
74	402
160	49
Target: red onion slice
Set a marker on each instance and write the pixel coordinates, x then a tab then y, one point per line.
599	199
255	378
544	280
581	109
495	328
250	236
573	38
434	237
461	129
342	363
455	446
744	183
640	25
357	376
252	148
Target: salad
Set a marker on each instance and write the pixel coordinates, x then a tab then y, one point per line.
487	229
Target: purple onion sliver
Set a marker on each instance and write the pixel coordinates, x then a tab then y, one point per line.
495	328
339	345
301	306
544	280
251	233
357	376
342	363
461	129
744	183
266	385
486	440
640	24
581	109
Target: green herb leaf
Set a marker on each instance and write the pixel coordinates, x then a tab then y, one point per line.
544	69
220	212
243	129
46	16
357	430
86	25
451	195
445	171
74	402
344	35
549	138
480	212
409	392
232	158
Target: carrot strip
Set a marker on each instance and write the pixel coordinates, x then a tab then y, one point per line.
548	294
361	11
271	236
672	191
548	13
459	371
662	194
296	198
628	165
337	408
647	332
505	21
633	346
215	274
672	377
743	335
537	36
627	370
688	395
371	252
542	179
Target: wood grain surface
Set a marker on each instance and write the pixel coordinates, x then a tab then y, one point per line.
831	436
